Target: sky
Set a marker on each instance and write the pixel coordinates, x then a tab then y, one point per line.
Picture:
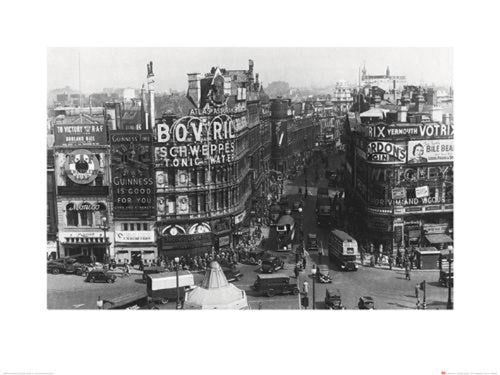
300	67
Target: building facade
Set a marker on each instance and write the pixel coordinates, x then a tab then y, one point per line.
399	180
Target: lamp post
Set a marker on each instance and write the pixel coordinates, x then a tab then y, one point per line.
305	177
313	271
449	305
104	228
176	260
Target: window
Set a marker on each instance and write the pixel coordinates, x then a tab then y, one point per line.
202	177
86	218
410	193
98	180
125	226
144	226
193	203
71	215
194	177
203	202
132	227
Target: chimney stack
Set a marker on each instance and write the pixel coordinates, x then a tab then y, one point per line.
420	103
402	112
446	119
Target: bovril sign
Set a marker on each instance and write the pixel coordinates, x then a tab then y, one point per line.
134	236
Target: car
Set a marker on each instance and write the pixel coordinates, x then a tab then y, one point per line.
270	285
445	277
272	264
100	276
333	300
366	303
312	242
65	265
232	274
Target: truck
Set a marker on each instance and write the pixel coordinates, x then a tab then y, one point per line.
163	286
343	250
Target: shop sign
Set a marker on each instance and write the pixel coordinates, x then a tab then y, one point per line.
132	173
224	241
134	236
185	241
83	190
405	202
386	152
430	151
422	191
193	141
239	218
413	209
420	130
81	166
448	207
87	207
432	208
399	210
398	193
63	235
207	111
79	135
435	228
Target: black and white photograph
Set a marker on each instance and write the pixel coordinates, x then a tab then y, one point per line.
230	187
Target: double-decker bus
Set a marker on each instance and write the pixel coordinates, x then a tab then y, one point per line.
343	249
285	229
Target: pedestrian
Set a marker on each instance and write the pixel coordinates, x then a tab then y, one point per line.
417	288
296	271
304	262
320	254
391	261
100	303
407	272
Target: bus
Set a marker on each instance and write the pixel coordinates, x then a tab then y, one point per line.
285	229
342	250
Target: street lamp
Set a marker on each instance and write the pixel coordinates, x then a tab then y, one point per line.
313	271
104	228
176	260
449	306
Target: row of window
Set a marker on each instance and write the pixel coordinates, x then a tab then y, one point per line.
135	226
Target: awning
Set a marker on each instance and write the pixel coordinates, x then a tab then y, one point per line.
438	238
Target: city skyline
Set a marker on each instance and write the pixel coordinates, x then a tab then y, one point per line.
97	68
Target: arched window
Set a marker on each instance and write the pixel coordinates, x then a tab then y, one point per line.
86	216
71	215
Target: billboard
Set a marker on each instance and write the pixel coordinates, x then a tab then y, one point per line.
79	135
430	151
132	173
195	141
432	130
386	152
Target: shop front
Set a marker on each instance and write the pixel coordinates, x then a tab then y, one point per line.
175	240
135	246
89	243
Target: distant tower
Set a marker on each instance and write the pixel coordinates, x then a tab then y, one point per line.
387	71
363	71
151	89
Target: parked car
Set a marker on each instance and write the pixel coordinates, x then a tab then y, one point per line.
272	264
333	300
270	285
65	265
100	276
366	303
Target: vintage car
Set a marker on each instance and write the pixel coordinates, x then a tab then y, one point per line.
445	277
100	276
272	264
333	300
65	265
312	242
323	274
232	274
366	303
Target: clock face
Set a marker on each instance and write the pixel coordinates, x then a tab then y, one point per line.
81	166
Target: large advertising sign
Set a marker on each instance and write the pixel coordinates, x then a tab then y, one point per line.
386	152
194	141
81	166
418	130
132	173
79	135
430	151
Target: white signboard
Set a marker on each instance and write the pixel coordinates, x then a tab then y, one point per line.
134	236
422	191
239	218
430	151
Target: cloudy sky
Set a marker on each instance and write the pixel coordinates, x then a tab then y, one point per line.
300	67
